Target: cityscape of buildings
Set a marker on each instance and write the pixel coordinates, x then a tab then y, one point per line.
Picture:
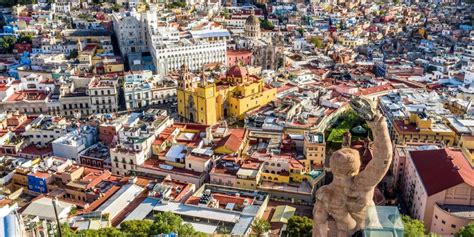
226	113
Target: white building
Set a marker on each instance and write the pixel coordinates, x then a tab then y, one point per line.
44	129
135	140
103	95
137	89
163	91
128	27
72	144
170	51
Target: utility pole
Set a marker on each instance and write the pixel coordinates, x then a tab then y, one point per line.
57	218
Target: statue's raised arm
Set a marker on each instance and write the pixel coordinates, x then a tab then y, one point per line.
382	145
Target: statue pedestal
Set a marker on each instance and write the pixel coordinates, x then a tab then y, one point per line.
383	221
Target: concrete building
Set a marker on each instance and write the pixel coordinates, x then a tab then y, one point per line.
72	144
444	204
44	129
164	91
137	89
32	96
74	97
214	209
170	51
134	145
103	95
314	150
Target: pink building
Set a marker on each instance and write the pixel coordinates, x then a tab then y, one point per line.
400	154
438	186
236	56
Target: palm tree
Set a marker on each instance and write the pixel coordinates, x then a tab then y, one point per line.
260	226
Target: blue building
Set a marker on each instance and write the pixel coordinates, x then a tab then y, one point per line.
38	182
380	69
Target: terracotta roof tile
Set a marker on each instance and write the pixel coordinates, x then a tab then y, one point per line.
231	142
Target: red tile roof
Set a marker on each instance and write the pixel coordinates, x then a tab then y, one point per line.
231	142
442	169
27	94
33	150
231	52
375	89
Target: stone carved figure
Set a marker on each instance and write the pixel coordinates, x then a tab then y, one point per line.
347	197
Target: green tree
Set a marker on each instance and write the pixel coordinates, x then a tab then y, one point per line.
177	4
226	13
26	2
266	24
167	222
300	31
66	231
103	232
164	223
73	54
116	7
466	231
25	38
299	226
136	227
317	42
7	43
260	226
412	227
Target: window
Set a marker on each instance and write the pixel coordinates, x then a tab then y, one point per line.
444	222
453	226
189	165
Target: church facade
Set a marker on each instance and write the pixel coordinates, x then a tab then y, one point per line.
206	102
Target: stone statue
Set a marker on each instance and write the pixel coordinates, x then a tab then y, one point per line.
347	197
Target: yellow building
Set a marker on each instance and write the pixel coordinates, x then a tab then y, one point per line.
248	178
209	102
420	128
283	170
467	148
314	150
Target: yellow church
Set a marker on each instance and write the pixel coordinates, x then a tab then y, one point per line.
207	102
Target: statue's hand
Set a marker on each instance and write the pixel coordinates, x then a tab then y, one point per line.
364	107
376	122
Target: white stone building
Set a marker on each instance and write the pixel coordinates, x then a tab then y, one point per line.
103	95
137	89
129	29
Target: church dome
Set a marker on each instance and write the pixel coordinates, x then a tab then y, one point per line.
252	20
237	71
